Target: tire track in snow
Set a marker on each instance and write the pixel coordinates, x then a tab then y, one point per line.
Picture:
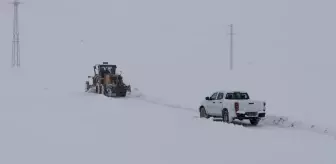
268	121
285	122
157	101
137	94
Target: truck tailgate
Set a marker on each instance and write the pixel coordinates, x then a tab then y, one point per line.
250	106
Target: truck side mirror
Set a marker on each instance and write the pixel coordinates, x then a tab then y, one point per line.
207	98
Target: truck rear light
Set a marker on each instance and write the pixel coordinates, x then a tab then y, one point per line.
236	106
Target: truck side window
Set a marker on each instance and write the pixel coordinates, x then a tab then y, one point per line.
213	97
229	96
220	96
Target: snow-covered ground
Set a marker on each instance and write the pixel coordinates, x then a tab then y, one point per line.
50	125
175	53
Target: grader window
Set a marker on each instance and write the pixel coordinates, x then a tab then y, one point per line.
107	69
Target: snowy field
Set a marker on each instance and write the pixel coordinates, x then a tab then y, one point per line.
54	126
175	52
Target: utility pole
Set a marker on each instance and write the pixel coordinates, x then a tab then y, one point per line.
231	46
16	38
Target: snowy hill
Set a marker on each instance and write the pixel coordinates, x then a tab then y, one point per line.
175	52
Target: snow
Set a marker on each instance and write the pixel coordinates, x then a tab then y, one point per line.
53	126
175	53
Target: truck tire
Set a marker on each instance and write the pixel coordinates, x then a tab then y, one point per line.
225	116
203	113
254	121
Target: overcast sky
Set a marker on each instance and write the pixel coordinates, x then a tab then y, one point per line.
276	33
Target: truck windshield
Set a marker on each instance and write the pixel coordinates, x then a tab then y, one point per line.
237	96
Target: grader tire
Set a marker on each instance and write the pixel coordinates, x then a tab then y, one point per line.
98	89
87	86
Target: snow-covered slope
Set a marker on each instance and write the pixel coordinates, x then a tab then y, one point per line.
175	52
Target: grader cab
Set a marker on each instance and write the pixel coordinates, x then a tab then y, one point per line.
106	81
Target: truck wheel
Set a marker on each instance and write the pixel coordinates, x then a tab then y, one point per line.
203	113
225	116
254	121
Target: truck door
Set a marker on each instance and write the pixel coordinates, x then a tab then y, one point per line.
211	103
218	104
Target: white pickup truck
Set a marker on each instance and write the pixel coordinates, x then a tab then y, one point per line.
230	105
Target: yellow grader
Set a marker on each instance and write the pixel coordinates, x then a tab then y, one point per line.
106	81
